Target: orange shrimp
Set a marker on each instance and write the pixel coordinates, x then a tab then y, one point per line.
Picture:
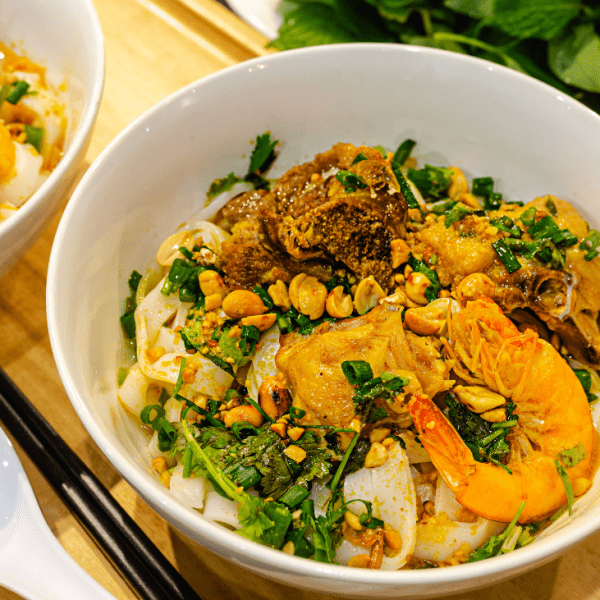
551	406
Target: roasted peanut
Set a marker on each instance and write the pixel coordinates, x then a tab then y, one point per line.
477	398
470	200
352	520
243	413
378	434
279	294
473	286
153	354
376	456
458	183
294	289
212	301
496	415
243	303
212	283
339	304
368	293
400	253
295	433
392	538
262	322
296	453
359	561
312	295
289	548
279	428
427	320
274	398
169	249
416	284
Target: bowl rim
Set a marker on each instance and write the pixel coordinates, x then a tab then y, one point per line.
212	534
82	132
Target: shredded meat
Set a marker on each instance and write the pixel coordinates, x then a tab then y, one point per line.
312	223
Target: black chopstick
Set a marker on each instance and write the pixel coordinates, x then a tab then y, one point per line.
126	545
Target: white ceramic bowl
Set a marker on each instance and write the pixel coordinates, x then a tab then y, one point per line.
66	38
484	118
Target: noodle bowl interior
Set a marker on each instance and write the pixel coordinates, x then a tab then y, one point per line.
369	361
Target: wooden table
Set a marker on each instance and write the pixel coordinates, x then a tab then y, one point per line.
153	48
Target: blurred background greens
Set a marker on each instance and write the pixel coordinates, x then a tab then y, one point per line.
556	41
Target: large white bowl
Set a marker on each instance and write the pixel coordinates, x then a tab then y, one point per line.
484	118
66	38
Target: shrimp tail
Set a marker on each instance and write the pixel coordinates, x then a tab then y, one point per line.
453	459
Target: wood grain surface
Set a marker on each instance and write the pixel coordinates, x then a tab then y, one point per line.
153	48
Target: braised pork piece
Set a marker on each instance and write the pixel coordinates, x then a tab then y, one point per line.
312	223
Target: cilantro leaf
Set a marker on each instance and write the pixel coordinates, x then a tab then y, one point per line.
571	456
263	154
224	184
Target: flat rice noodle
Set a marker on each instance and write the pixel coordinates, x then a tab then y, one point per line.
391	491
437	540
263	364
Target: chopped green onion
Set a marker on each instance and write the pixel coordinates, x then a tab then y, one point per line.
19	90
358	158
482	186
590	244
509	260
457	213
528	217
294	496
179	381
128	323
338	474
34	136
296	413
242	475
405	188
187	461
350	179
357	371
507	225
545	228
403	152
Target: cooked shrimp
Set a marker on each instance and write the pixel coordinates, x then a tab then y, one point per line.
552	410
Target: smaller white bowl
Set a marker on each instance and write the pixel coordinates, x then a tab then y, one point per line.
66	38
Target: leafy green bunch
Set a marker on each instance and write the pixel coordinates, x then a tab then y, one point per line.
555	41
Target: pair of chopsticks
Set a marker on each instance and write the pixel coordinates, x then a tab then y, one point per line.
125	544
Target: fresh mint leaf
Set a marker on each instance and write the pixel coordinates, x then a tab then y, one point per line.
311	24
477	9
543	19
575	57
